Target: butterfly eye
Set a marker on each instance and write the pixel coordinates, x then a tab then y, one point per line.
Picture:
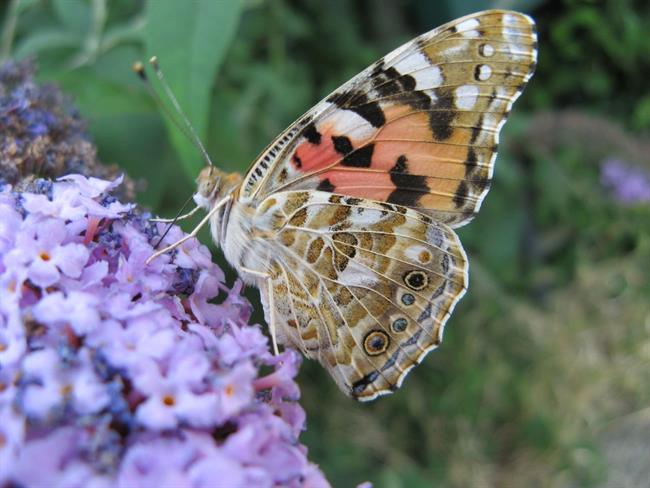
209	185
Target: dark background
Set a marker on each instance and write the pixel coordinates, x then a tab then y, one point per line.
543	376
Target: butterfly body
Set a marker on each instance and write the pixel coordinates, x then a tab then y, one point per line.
345	221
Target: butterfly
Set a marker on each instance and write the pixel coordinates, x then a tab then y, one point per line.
344	222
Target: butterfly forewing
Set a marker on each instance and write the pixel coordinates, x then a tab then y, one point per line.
418	128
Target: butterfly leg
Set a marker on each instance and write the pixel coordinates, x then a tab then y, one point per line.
194	232
269	284
271	302
180	217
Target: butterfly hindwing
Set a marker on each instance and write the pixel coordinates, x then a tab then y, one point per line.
418	128
362	286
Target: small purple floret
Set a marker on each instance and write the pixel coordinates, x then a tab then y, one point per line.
628	184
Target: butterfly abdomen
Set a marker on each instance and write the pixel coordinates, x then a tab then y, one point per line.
245	244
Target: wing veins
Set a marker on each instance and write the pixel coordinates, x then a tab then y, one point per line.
292	306
385	298
324	233
324	323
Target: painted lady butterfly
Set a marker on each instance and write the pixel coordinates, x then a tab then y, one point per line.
345	221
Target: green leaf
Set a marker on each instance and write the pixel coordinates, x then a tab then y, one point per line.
24	5
97	96
46	40
641	114
190	40
130	31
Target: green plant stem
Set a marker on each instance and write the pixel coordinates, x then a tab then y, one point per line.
92	42
8	30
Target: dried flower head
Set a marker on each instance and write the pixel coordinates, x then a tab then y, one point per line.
43	134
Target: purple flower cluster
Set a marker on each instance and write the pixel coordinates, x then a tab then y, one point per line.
118	373
628	184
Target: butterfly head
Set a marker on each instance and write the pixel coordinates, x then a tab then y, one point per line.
213	185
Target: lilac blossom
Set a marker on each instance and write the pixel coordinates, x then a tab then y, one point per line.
118	373
628	184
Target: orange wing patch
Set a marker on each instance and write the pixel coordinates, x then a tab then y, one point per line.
418	128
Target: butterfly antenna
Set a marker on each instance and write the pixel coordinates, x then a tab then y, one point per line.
173	222
185	127
170	94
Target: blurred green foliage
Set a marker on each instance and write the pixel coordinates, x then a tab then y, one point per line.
549	352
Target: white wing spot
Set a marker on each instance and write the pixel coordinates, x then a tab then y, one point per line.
349	123
417	65
358	275
419	254
484	72
509	19
413	62
466	96
426	79
365	218
512	33
486	50
467	28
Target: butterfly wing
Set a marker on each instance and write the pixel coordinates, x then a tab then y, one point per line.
362	286
418	128
354	201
